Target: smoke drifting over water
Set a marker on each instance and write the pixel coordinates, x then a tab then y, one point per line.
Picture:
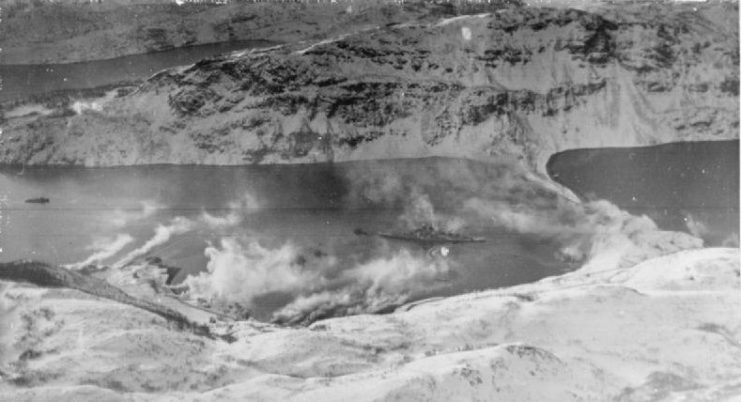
120	218
597	233
240	272
248	204
695	226
504	196
370	287
104	248
337	274
162	234
454	195
319	285
420	211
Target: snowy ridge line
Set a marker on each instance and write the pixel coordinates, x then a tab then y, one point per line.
448	21
332	40
320	43
49	276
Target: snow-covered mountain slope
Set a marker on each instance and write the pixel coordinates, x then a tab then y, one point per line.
516	84
73	31
665	329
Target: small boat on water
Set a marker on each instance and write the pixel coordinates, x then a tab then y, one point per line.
426	235
39	200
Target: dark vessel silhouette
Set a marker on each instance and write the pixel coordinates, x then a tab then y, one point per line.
39	200
426	235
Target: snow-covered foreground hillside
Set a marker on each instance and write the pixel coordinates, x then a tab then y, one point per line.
668	328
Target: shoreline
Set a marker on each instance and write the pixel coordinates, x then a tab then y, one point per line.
549	183
263	44
198	24
644	313
482	343
370	95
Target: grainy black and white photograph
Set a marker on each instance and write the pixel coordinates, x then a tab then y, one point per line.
369	200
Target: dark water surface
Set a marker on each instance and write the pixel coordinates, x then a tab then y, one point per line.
308	213
22	80
313	207
688	186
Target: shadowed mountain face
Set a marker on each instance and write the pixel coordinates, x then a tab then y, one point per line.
649	316
71	30
517	84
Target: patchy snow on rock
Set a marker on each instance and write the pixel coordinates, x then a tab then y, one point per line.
81	106
667	326
466	33
26	110
451	20
522	87
321	43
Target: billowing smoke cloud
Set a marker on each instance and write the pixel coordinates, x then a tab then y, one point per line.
697	228
597	232
371	287
239	273
731	241
419	211
162	235
246	205
120	218
242	271
452	195
103	249
231	219
505	196
620	239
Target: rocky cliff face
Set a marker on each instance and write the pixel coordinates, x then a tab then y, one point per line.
516	84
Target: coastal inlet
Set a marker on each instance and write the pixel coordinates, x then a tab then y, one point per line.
269	236
295	243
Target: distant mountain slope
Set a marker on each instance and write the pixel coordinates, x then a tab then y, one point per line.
517	84
38	31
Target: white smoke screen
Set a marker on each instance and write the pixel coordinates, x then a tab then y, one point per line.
104	248
239	271
458	196
162	235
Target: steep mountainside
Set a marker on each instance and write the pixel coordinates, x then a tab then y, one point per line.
68	31
515	84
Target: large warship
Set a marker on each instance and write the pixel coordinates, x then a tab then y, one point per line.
426	235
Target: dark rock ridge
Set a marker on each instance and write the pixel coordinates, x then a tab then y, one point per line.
49	276
517	84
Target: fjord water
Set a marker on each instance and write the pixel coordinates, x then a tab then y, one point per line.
303	218
312	207
684	186
22	80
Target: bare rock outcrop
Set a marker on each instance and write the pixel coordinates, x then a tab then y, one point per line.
518	84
